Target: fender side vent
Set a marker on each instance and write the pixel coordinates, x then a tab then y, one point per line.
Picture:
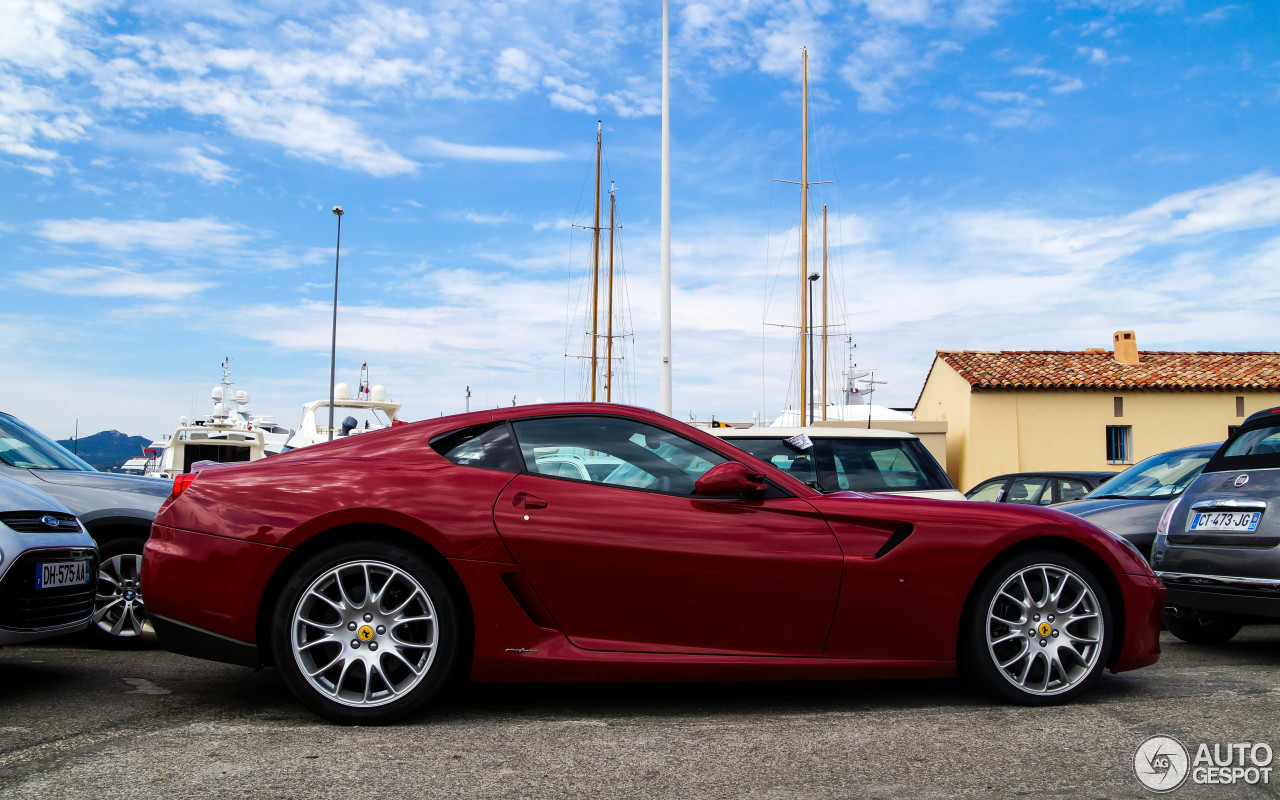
528	600
899	536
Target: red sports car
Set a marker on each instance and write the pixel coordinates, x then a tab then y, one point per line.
594	542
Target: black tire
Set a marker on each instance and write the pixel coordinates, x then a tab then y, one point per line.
978	660
438	663
1199	627
119	605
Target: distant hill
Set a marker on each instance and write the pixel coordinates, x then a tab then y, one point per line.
107	450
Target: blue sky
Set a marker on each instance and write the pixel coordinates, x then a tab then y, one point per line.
1010	176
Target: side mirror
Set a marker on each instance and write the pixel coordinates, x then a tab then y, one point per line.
730	479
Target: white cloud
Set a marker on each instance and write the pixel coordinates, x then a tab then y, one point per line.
515	67
31	117
112	282
569	97
190	235
880	66
476	152
914	12
207	169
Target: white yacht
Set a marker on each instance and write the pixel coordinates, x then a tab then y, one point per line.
231	432
368	409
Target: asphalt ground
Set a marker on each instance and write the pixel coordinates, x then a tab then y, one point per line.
79	722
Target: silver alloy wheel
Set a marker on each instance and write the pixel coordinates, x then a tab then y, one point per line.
364	633
1045	629
118	609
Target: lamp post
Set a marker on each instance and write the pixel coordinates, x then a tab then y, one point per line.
813	276
333	346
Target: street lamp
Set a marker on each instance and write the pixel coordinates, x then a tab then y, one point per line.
333	347
809	400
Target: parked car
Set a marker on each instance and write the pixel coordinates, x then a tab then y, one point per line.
117	511
848	459
1038	488
373	571
1130	504
1216	545
48	567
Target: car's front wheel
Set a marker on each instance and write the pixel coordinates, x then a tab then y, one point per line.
1199	627
119	613
366	633
1039	630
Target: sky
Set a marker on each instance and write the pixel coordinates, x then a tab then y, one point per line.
1000	175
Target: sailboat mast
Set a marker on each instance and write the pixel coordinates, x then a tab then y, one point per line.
824	312
804	233
608	341
595	269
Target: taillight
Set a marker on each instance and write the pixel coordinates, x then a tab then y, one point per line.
1167	517
181	483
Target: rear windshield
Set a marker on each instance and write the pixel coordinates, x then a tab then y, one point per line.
1256	448
864	465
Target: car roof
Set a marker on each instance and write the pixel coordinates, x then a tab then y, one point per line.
1054	474
813	432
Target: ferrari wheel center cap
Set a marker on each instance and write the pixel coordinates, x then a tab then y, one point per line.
1045	629
365	633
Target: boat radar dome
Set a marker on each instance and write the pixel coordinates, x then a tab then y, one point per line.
216	394
219	410
342	391
242	397
378	393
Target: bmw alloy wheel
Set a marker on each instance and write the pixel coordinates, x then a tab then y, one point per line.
118	608
1045	629
364	633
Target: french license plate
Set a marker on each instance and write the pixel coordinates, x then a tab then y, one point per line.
1238	521
62	573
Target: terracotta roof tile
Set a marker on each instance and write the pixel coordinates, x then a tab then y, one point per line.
1156	370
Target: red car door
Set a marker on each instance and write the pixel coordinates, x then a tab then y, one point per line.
628	569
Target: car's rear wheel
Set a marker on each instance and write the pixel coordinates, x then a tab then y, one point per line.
1039	630
366	633
119	613
1198	627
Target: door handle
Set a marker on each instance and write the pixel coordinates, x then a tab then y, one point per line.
526	500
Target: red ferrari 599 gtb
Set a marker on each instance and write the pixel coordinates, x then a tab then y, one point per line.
595	542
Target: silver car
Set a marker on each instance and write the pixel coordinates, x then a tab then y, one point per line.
48	567
116	510
1217	547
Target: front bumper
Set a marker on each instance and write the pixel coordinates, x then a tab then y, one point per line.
1259	597
1144	600
28	613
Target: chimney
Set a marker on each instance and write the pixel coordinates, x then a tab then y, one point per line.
1126	347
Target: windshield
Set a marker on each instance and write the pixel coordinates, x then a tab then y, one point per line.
1164	475
21	446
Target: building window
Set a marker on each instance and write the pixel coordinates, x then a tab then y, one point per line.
1239	406
1119	444
1119	406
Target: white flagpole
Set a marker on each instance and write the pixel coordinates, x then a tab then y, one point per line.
664	403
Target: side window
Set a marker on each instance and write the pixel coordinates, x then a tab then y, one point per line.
1027	490
615	451
1071	490
880	465
796	463
486	446
989	492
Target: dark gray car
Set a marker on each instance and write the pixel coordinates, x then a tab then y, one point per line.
1130	504
1216	546
116	510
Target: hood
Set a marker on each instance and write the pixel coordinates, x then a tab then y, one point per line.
15	496
107	481
1120	515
